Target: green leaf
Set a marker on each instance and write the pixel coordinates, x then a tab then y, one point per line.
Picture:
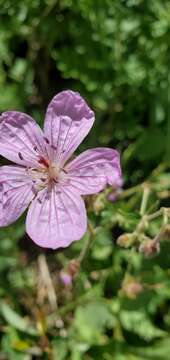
15	320
103	245
160	350
91	320
139	323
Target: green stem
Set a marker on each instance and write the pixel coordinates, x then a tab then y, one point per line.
146	218
131	191
158	213
87	244
145	198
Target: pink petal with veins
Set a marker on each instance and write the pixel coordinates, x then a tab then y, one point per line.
56	218
68	121
15	193
92	170
21	139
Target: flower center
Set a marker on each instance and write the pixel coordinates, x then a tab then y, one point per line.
49	174
51	169
53	172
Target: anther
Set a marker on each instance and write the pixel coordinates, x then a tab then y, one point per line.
64	171
35	148
46	140
53	147
20	156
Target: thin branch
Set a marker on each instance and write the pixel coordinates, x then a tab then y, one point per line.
87	244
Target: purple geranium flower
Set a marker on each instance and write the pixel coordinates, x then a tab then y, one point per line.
43	177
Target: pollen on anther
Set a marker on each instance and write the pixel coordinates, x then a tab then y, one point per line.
20	156
43	162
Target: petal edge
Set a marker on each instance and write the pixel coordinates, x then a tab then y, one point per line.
92	170
68	121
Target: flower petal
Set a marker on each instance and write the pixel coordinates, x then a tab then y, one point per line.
21	139
15	193
92	170
68	120
56	218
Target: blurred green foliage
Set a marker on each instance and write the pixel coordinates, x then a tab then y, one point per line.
117	54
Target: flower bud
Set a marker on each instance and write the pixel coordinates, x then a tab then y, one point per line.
98	205
126	240
73	267
149	247
116	190
132	288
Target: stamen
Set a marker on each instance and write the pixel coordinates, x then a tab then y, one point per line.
43	179
64	171
54	147
35	148
20	156
38	199
43	162
46	140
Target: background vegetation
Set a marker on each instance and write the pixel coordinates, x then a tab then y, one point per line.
116	53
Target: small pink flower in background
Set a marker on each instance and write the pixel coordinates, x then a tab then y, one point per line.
66	278
116	190
43	179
